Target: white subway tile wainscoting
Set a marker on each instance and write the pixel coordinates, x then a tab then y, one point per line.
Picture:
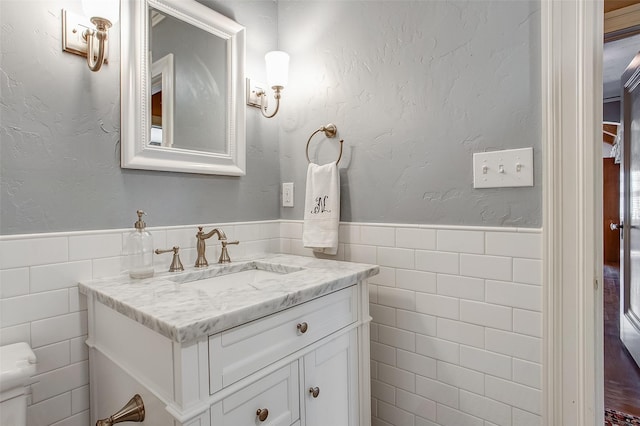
40	303
457	322
455	338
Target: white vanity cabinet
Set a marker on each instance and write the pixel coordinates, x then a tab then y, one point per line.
319	389
320	336
304	365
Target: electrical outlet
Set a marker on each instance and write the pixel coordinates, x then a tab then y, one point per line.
287	194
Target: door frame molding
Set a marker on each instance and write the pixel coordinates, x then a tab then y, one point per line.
571	82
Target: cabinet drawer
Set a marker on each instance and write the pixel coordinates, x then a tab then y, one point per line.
240	351
276	393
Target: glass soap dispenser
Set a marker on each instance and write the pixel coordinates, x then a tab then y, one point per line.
139	249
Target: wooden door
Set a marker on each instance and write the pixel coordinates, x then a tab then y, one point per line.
610	210
630	288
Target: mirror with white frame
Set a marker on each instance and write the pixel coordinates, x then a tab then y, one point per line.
182	88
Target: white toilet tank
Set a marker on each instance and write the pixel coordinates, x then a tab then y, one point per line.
17	365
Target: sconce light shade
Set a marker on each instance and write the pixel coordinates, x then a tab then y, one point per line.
277	77
277	68
106	9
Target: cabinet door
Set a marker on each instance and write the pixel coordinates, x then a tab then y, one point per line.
270	401
330	391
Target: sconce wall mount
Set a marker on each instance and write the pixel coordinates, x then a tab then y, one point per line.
277	75
254	89
81	35
257	96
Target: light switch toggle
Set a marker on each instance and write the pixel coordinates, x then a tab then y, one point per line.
501	169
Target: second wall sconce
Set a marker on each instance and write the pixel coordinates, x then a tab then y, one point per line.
277	78
84	39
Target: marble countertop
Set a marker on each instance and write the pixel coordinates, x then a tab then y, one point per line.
167	304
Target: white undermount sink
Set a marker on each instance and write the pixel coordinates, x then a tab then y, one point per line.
235	276
233	280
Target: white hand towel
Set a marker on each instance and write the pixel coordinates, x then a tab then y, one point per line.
322	208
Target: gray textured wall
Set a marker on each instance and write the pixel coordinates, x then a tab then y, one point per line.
611	111
59	125
415	88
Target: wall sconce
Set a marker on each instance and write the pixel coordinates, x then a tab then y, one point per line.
277	77
84	39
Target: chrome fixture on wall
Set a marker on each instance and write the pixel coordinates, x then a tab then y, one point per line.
132	412
277	77
89	39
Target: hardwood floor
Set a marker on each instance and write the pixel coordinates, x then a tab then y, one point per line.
621	374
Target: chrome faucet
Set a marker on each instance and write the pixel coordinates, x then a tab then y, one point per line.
201	261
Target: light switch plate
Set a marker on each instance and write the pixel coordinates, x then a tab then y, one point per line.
254	87
287	194
507	168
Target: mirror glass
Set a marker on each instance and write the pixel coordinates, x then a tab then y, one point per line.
162	103
200	82
188	115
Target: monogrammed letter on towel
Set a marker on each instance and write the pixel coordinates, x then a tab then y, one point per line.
322	208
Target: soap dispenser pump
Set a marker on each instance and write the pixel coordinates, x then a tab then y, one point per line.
139	249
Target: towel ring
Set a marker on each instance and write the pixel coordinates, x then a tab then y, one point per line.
330	131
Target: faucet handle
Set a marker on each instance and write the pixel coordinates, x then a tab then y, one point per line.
224	255
176	264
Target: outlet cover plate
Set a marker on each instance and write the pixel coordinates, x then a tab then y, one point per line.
507	168
287	194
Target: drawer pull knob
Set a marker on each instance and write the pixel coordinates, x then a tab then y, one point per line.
302	327
262	414
314	391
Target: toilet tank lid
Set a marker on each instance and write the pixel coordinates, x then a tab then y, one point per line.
17	364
